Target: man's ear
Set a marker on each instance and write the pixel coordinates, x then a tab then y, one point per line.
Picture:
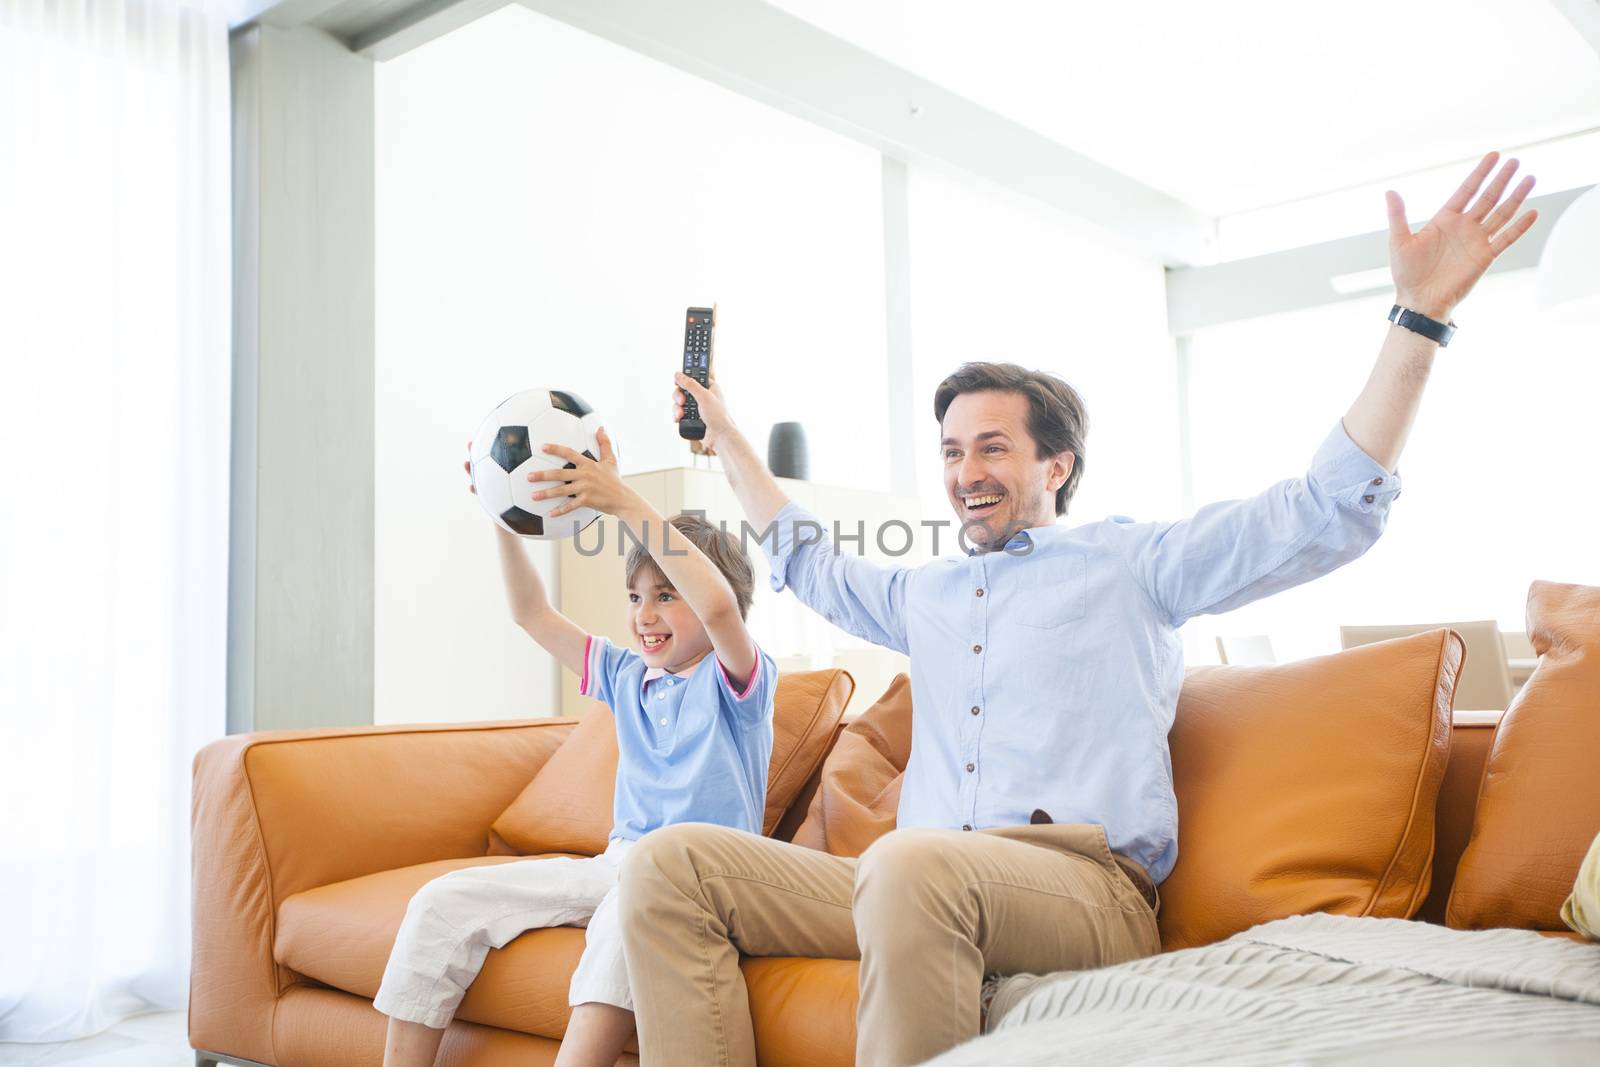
1061	469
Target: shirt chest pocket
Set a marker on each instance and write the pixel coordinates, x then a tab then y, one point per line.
1050	592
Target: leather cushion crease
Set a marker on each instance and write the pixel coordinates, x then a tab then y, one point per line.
567	807
1538	809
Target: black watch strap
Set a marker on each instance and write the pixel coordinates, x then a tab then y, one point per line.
1416	322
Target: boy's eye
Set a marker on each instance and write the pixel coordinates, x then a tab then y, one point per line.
664	597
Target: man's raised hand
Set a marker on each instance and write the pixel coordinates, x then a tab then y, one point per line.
1436	267
712	410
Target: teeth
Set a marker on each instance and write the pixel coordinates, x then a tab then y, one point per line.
983	501
650	641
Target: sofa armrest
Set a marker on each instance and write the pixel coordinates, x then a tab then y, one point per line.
280	812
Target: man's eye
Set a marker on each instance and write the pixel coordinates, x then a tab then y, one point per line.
994	448
951	454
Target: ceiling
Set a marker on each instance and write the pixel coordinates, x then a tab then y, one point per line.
1234	105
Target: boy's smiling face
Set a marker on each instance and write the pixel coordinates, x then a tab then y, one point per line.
669	633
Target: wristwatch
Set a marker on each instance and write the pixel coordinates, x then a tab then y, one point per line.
1416	322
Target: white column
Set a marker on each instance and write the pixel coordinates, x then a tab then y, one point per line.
897	319
300	633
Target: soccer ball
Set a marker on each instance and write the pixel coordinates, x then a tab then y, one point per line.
508	446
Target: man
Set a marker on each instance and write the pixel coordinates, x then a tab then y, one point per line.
1036	813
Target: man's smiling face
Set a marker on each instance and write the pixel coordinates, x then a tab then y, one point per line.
996	482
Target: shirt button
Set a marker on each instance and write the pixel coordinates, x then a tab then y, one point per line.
971	767
974	709
663	722
1369	498
966	826
977	648
980	592
1377	481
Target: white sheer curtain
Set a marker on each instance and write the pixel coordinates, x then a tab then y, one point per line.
114	406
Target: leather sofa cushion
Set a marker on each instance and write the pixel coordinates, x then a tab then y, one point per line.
340	935
1538	808
567	807
1308	787
858	792
803	1011
1470	737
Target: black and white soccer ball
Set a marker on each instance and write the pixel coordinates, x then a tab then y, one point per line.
508	446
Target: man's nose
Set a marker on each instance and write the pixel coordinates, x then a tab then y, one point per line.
971	472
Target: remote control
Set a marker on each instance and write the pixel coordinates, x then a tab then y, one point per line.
697	365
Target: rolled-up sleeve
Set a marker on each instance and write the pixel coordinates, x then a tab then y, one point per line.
1231	553
856	594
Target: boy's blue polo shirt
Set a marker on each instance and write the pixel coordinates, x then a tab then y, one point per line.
691	747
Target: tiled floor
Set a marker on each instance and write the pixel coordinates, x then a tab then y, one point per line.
156	1040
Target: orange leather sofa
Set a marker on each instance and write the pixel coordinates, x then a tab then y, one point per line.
308	845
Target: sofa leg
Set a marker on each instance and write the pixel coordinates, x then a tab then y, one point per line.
202	1058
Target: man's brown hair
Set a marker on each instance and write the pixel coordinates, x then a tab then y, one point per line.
720	547
1057	418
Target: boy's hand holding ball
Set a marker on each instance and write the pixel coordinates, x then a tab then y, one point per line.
592	483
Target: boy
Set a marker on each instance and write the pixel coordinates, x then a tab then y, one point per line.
693	712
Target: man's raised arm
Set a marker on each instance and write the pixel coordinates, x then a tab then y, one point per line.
1434	269
862	597
1231	553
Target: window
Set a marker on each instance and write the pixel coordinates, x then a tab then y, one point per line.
1498	478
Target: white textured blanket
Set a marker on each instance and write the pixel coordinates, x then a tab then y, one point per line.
1316	988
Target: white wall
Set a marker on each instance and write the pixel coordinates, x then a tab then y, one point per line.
1498	478
547	206
997	277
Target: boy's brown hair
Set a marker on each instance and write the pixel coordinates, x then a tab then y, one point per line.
720	547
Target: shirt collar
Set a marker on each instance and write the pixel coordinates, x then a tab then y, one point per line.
652	673
1024	541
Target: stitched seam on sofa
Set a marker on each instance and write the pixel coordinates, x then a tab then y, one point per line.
795	752
266	855
1424	881
1424	884
1407	829
1294	549
1483	777
272	900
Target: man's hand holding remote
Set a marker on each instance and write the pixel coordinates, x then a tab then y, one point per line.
758	491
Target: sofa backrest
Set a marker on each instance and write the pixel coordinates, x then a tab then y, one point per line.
1471	735
850	799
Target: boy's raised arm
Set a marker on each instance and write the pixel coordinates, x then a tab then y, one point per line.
530	604
597	484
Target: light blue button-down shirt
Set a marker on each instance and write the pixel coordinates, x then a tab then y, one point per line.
1047	676
691	747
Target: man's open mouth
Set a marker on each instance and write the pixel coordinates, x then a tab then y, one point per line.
981	505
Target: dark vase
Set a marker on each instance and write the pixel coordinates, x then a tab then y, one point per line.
786	451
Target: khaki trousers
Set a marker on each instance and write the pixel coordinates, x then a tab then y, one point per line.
927	912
